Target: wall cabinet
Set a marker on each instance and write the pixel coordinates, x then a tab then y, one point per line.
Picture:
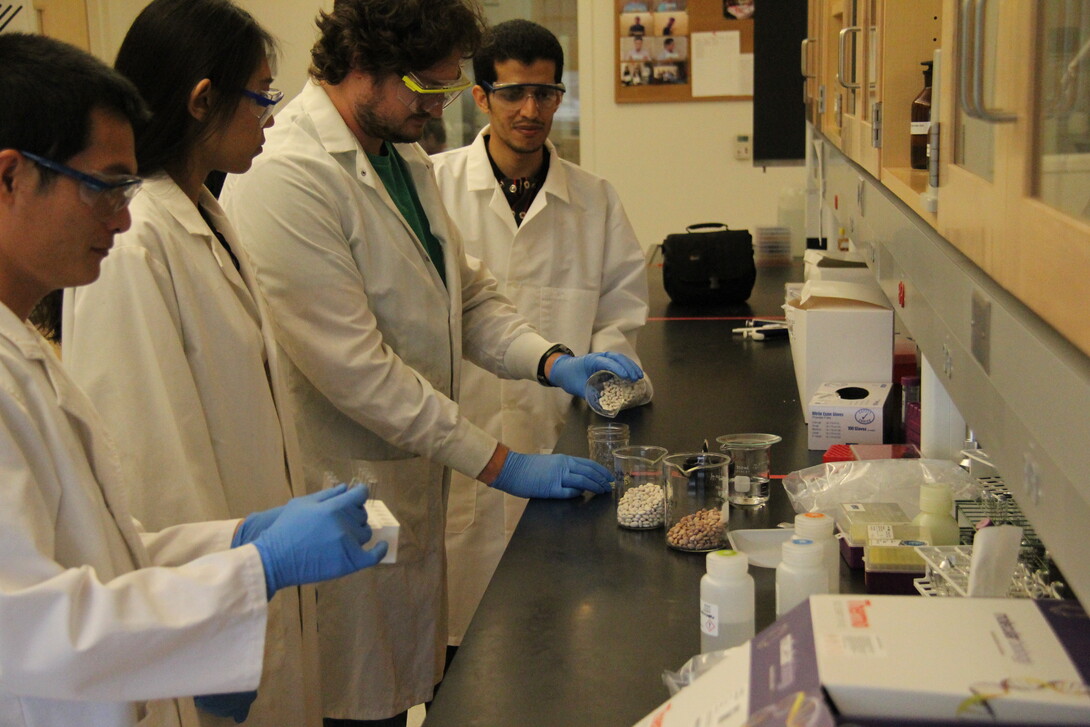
1013	105
992	284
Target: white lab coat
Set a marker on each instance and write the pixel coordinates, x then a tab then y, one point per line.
172	346
374	341
576	271
89	629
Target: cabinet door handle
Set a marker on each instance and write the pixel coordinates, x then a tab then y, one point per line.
806	58
842	53
984	113
965	55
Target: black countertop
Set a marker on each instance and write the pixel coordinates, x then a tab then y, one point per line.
582	616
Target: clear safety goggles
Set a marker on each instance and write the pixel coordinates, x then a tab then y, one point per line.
105	195
266	102
547	96
416	93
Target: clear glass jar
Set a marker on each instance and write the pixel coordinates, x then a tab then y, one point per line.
608	394
695	513
602	439
750	467
641	499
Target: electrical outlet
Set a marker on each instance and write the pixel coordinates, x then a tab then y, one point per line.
742	149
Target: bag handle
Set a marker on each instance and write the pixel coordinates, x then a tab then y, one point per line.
707	227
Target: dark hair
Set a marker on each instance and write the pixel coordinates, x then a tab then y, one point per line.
382	37
47	92
520	40
173	45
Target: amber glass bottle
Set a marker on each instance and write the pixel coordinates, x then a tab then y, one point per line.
921	121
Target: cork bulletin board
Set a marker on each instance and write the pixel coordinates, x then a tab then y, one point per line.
684	50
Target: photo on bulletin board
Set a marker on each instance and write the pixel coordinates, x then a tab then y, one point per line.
635	24
670	48
739	9
671	23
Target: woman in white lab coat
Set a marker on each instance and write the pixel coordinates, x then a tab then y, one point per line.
172	343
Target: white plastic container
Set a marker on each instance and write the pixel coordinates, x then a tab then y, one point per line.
936	514
800	574
819	527
726	601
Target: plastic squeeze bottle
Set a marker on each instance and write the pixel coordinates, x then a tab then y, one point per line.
800	574
936	506
818	526
726	601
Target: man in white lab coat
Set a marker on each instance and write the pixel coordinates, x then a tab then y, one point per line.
374	303
92	633
558	241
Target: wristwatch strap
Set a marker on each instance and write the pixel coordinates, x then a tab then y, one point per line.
556	348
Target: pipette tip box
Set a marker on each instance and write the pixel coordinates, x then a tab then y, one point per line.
384	528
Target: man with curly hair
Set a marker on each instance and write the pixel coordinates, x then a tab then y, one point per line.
374	304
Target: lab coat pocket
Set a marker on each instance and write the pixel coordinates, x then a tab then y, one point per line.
568	315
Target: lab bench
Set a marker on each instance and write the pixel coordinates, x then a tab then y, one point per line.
582	616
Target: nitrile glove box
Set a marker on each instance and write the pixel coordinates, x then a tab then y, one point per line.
892	661
839	332
849	413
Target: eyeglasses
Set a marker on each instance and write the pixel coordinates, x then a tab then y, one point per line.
266	102
416	93
106	196
547	96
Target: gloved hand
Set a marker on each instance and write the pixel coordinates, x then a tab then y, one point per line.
258	522
318	538
554	476
235	705
570	373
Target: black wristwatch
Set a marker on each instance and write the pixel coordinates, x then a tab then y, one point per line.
557	348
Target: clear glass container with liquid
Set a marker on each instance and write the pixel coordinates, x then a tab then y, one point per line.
750	466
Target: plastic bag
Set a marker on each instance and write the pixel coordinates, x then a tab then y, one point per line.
822	488
691	670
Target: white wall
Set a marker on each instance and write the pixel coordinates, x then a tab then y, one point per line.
672	163
291	22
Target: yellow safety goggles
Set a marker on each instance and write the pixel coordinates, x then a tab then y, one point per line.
416	92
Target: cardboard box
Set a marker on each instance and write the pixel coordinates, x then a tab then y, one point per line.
899	660
834	265
839	332
850	413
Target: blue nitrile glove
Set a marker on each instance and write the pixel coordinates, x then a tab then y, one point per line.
235	705
258	522
570	373
318	538
551	475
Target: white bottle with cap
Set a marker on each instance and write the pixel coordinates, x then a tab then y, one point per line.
936	507
726	601
818	526
800	574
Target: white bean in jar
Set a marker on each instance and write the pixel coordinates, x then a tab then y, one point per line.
618	394
642	507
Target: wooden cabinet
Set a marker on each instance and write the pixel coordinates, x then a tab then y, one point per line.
859	89
1014	191
1013	111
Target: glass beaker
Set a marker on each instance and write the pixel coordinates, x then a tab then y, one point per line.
602	439
749	481
695	482
641	503
607	394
